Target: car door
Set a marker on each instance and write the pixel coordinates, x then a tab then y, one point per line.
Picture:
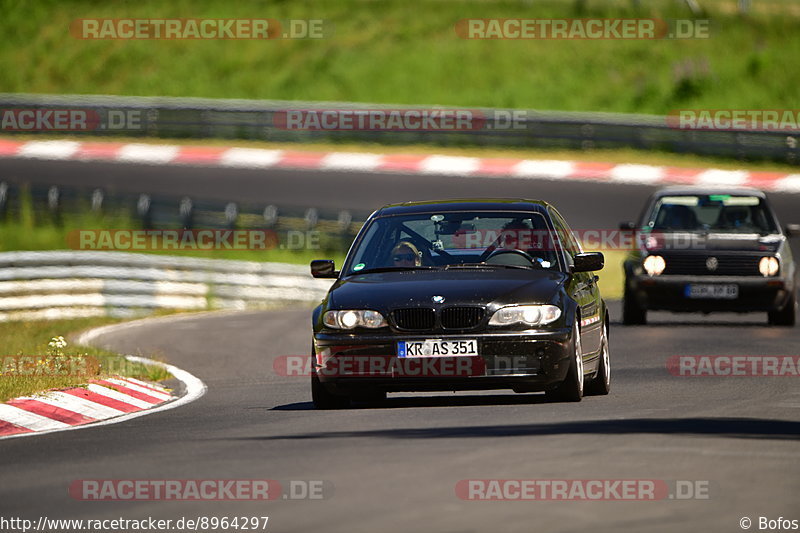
584	289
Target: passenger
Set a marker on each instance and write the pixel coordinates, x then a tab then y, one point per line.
405	254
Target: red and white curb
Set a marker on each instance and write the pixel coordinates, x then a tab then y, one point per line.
256	158
101	402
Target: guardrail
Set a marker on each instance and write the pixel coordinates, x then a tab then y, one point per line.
256	119
70	284
333	229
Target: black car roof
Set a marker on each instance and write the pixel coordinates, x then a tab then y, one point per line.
465	204
679	190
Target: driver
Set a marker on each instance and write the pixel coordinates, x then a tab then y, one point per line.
405	254
515	234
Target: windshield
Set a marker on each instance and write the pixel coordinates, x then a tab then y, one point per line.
454	240
714	212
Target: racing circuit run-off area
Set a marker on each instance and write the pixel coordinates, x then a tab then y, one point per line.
400	266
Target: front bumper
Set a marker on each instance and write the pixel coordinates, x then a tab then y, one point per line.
523	361
668	292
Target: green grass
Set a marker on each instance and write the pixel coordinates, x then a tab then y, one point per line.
407	52
612	277
67	367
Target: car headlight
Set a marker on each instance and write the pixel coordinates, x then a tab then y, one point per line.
654	265
768	266
533	315
353	318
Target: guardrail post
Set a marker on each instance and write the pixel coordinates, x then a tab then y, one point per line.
54	204
344	221
744	6
311	217
143	210
231	215
271	216
791	154
186	210
3	200
97	200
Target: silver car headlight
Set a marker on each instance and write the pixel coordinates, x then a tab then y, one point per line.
532	315
353	318
654	265
768	266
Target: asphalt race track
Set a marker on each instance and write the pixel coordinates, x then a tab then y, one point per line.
395	466
585	204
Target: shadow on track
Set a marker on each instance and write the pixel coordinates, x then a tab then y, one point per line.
741	428
701	324
433	401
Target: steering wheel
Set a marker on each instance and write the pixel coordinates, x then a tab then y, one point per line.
501	251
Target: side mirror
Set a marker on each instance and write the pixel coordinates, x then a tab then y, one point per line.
627	225
588	262
323	268
792	230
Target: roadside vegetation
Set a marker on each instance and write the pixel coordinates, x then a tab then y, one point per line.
35	356
27	229
400	52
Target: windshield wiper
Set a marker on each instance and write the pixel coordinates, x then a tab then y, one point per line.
486	265
391	269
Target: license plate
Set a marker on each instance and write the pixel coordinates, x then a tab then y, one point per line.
712	291
437	348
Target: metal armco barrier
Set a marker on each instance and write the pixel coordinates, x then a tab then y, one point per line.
68	284
265	120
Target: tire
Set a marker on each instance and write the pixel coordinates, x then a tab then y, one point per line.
571	389
632	312
324	399
601	384
786	316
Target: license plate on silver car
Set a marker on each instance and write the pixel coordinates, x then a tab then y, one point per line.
437	348
712	291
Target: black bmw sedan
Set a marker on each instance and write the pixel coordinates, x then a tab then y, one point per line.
461	295
707	250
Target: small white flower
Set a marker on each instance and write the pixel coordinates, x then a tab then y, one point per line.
56	345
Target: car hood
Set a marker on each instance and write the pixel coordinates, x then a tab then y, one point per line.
680	241
390	290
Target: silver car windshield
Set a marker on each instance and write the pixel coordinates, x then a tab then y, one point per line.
713	212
